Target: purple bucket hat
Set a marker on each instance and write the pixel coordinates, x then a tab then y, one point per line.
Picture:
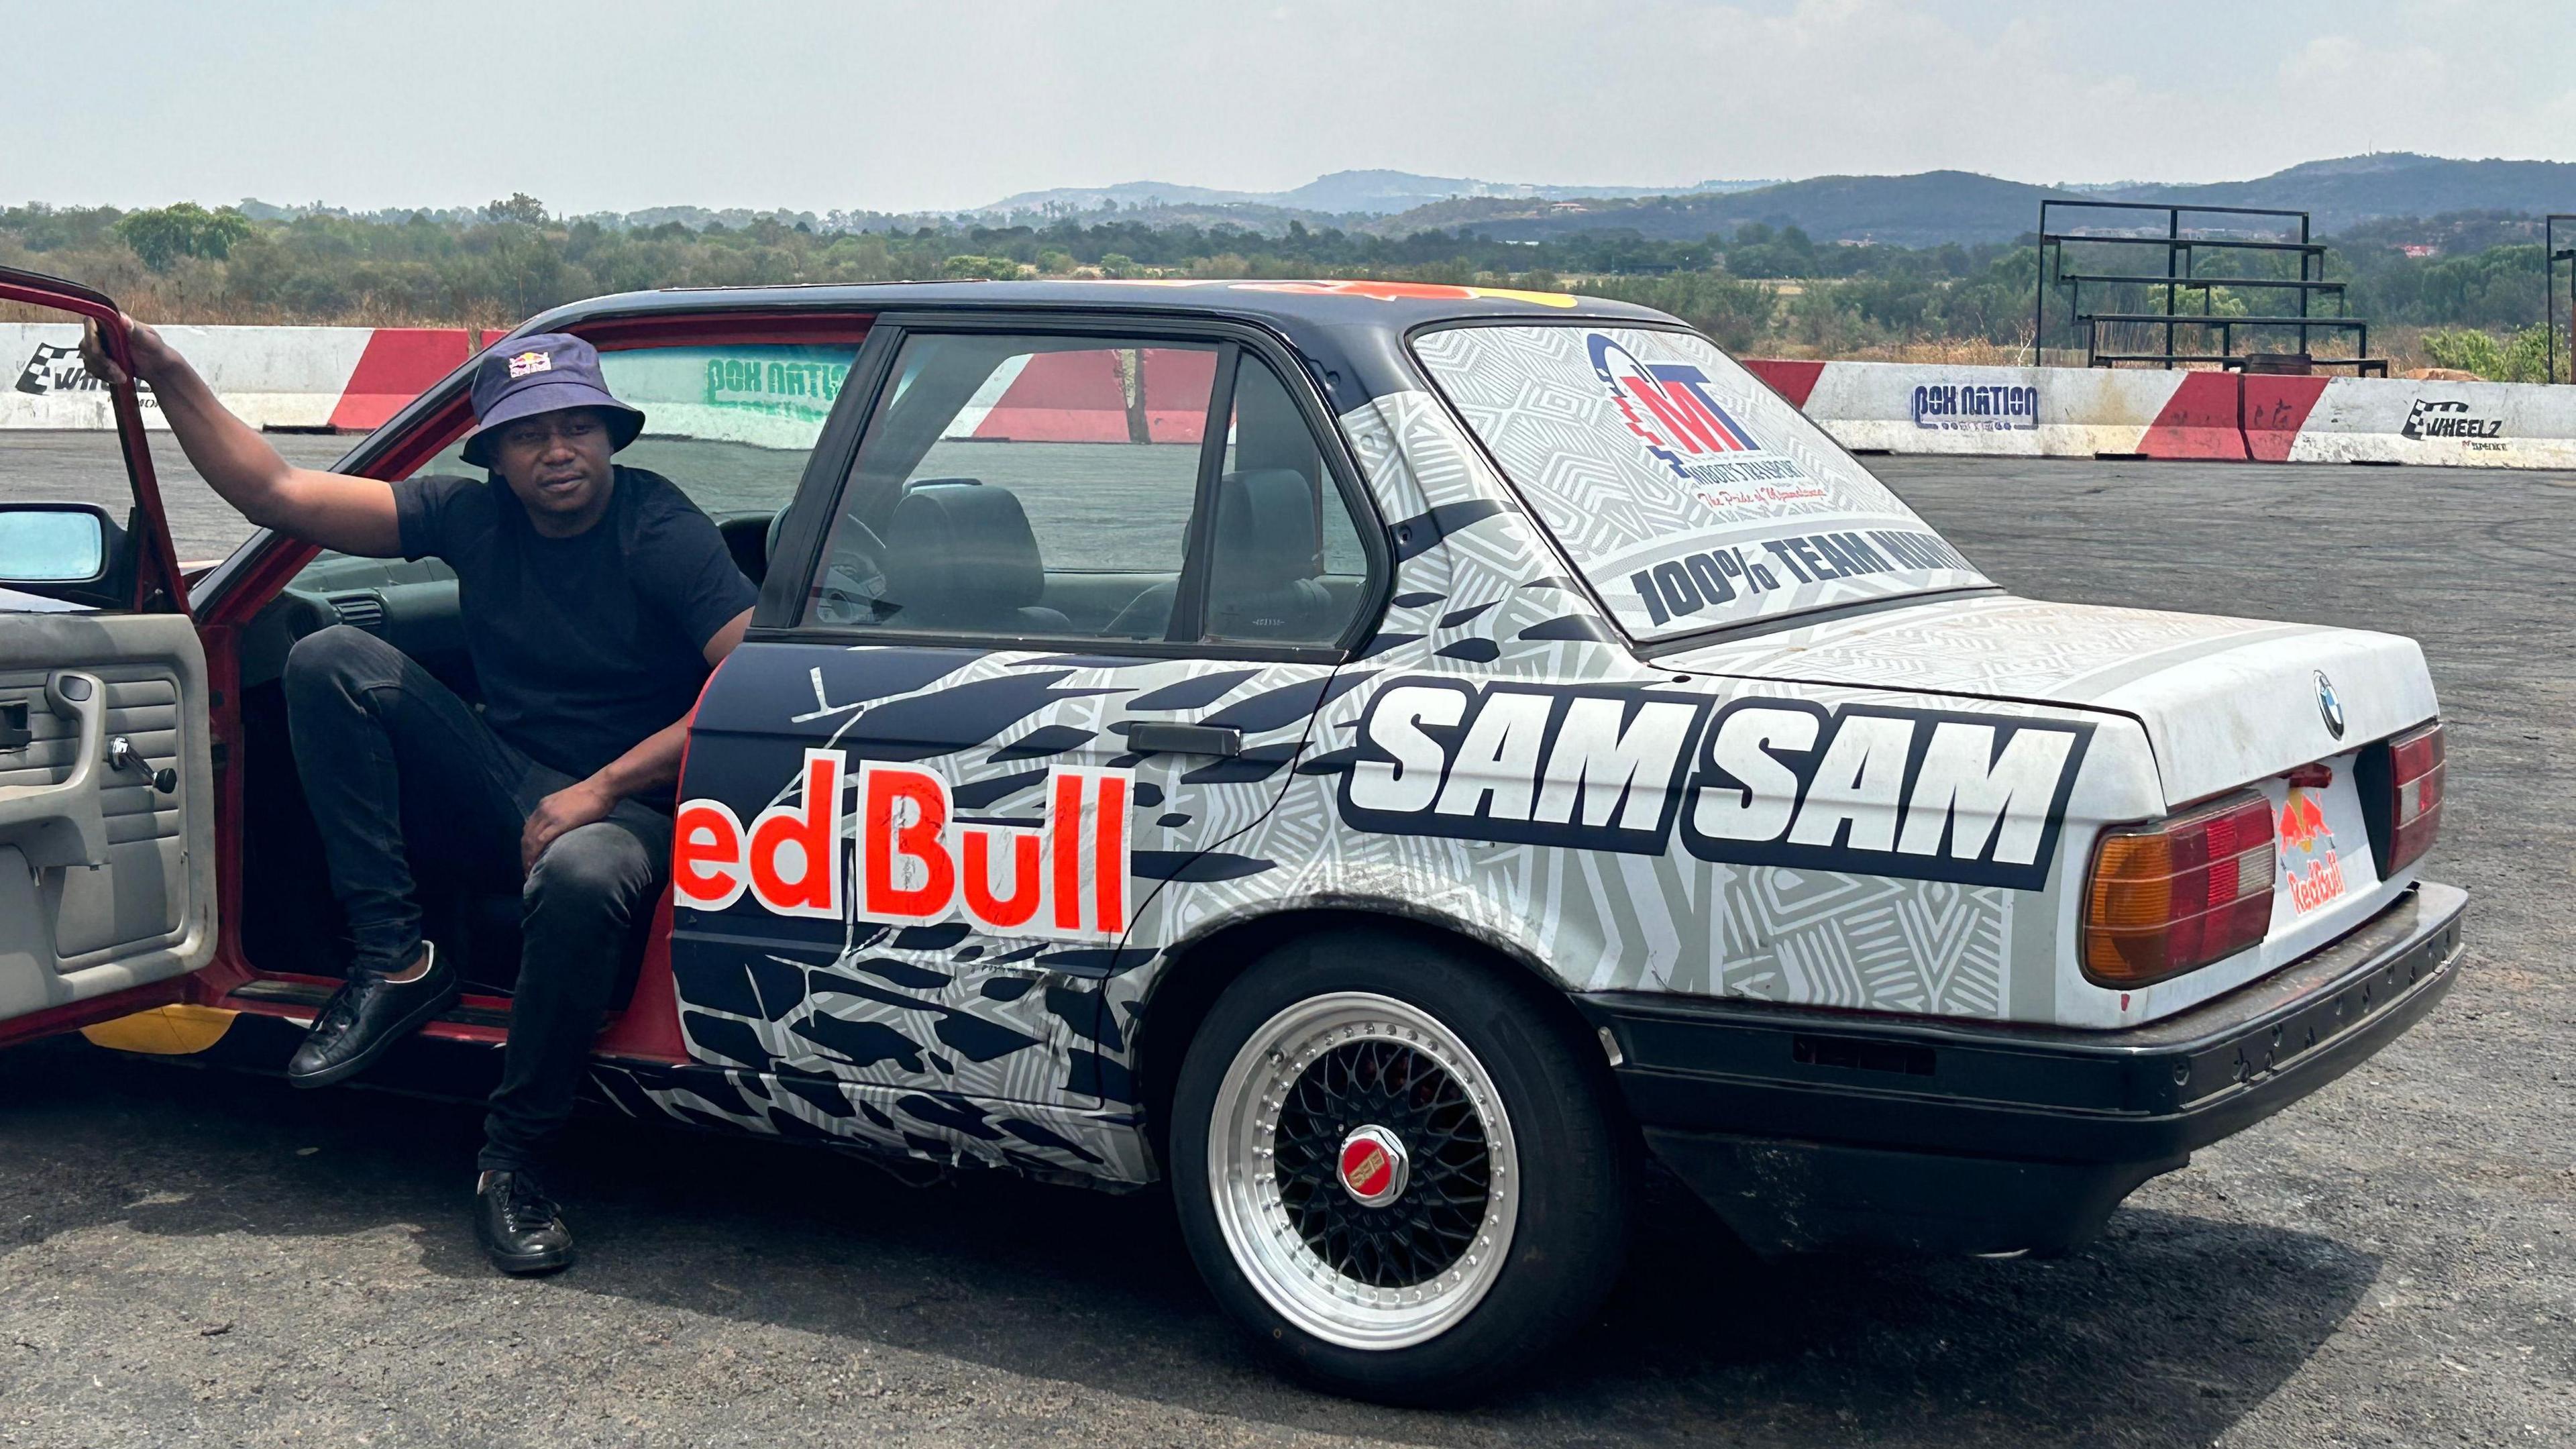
545	373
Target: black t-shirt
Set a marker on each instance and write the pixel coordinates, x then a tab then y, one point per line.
583	646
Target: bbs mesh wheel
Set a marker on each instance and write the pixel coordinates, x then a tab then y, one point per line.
1395	1166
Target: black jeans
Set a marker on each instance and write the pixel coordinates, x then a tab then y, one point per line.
399	770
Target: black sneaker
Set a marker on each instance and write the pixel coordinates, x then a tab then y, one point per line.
520	1227
368	1015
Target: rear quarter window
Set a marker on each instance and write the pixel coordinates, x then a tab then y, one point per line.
1688	494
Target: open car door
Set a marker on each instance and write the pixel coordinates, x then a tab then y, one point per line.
107	821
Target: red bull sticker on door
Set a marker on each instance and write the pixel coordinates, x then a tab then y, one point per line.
911	861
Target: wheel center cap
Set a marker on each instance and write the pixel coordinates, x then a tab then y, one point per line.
1373	1167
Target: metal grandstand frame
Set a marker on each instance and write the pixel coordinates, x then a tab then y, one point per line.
2181	260
2551	254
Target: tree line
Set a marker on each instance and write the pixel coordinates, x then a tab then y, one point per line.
1760	289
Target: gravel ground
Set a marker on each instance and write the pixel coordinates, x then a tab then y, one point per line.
192	1257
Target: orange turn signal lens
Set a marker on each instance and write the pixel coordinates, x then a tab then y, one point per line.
2177	895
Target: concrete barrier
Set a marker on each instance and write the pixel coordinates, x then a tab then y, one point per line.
2121	412
2054	412
2397	420
272	377
354	378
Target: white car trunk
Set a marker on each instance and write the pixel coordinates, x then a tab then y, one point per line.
2225	702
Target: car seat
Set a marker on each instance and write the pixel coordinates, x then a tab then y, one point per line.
1263	581
962	556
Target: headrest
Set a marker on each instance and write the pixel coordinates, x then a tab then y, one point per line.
769	537
1265	529
961	546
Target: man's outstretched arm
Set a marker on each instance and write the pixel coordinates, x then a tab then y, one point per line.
352	515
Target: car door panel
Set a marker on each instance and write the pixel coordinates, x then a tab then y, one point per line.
105	882
107	795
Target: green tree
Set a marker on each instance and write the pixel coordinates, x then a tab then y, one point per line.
999	269
163	235
521	207
2518	358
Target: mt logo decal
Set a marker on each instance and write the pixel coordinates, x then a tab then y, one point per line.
1668	407
1869	790
915	863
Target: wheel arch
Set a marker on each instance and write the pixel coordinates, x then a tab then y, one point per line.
1195	972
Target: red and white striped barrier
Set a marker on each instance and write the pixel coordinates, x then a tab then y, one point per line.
2384	420
354	378
2052	412
1151	395
350	378
2098	412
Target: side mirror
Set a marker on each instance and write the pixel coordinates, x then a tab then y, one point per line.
74	545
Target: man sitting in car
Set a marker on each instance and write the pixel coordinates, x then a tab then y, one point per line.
595	600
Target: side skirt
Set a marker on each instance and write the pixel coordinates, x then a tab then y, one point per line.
1101	1148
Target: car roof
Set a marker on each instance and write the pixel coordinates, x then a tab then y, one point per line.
1350	334
1398	306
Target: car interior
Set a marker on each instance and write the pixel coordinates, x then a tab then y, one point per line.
1007	537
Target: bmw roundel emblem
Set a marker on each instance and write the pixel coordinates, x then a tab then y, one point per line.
2329	706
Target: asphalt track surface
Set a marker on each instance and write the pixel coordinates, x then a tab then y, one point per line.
192	1257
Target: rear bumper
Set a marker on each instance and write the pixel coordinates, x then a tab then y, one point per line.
1807	1128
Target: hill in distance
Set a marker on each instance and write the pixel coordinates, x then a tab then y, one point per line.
2343	193
1341	194
2364	194
1925	209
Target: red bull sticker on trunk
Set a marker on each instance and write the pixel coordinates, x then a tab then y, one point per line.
2311	858
2320	845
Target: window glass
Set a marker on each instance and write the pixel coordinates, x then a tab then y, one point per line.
1021	485
1015	486
1286	565
1688	493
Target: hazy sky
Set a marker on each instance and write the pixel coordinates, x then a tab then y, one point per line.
890	105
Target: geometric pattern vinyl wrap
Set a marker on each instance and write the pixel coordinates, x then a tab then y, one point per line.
956	1046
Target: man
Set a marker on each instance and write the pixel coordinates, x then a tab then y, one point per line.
596	598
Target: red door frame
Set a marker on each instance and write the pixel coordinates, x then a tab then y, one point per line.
157	588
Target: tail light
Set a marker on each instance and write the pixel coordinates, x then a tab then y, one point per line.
2415	769
2174	896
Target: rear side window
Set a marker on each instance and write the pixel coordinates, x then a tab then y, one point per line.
1012	487
1689	494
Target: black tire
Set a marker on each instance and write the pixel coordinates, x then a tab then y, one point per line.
1576	1170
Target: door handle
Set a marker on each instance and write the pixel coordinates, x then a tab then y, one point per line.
1161	737
62	824
122	755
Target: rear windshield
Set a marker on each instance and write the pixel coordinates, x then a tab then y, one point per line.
1690	495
